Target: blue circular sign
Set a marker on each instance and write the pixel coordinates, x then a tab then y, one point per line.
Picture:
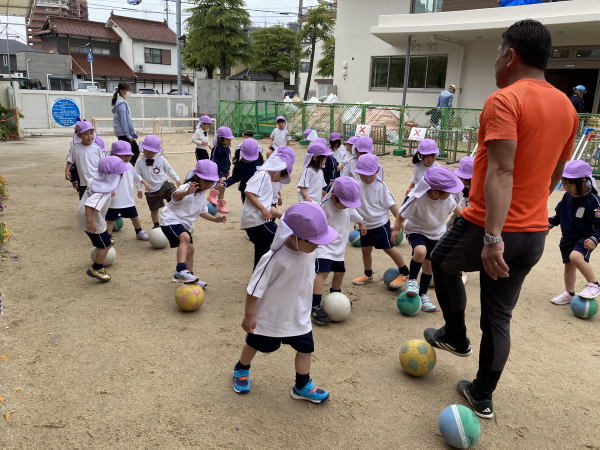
65	112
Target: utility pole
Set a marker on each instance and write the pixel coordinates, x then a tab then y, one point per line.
178	24
297	79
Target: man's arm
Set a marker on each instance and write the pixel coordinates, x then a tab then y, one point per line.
556	175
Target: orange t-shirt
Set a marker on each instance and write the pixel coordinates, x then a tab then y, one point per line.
543	122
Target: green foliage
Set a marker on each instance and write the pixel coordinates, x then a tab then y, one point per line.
216	35
276	49
326	63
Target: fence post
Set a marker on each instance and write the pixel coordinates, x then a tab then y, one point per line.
258	136
303	117
331	118
443	122
237	118
363	115
400	151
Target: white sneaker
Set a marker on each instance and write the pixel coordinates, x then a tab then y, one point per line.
426	304
562	299
186	276
142	236
591	290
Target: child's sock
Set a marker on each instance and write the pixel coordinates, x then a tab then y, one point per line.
302	380
415	268
404	270
137	230
369	273
240	366
180	267
424	284
156	225
572	294
334	290
97	266
317	299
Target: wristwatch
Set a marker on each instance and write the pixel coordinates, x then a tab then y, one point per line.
488	239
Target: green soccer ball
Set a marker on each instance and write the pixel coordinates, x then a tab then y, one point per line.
118	224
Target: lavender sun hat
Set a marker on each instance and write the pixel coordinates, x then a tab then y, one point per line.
121	148
335	137
580	169
368	165
151	144
108	177
207	170
306	133
285	150
203	119
364	145
428	147
347	191
249	150
224	132
465	168
318	148
100	143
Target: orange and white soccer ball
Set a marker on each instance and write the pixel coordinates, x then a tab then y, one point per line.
189	297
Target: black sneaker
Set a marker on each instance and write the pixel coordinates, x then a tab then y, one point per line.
320	315
483	408
437	339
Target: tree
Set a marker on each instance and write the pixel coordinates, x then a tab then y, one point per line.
276	49
318	26
326	63
217	35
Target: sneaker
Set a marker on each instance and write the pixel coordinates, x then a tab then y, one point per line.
363	279
483	408
401	281
186	276
320	315
562	299
426	304
310	393
412	288
142	236
436	338
591	290
99	274
241	381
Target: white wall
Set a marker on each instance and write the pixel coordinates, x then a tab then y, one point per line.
125	46
304	75
163	69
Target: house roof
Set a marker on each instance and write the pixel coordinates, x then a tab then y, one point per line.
77	27
252	75
144	30
15	46
105	66
158	76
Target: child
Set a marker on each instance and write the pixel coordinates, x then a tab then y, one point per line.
221	155
277	199
578	214
153	168
200	137
426	212
187	204
339	151
339	207
349	153
257	211
423	159
279	136
92	209
464	172
332	163
85	153
278	299
123	203
376	203
247	159
363	146
312	181
100	143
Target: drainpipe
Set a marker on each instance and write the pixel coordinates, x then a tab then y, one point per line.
443	40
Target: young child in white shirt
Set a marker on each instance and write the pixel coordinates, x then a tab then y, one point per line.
93	206
277	199
85	154
186	205
363	146
426	212
279	136
312	180
376	203
200	137
423	159
278	299
340	208
153	168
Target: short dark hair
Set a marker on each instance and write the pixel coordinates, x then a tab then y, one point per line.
531	40
280	120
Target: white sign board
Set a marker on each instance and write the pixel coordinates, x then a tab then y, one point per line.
180	109
363	130
417	134
93	88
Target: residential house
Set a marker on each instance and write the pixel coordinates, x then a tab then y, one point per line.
8	54
71	9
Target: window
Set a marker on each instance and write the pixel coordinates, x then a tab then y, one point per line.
425	72
427	6
560	53
101	51
588	53
153	55
304	67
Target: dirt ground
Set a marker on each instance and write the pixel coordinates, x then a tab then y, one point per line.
118	365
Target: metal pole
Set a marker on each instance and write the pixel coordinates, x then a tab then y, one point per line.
178	24
297	78
7	53
27	64
92	70
406	67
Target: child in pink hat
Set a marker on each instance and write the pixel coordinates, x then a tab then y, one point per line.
186	205
311	183
578	214
376	203
423	158
221	155
246	160
426	212
278	298
85	154
279	135
200	137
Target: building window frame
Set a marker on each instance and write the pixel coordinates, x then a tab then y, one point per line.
152	55
403	57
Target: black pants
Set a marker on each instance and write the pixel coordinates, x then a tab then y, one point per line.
459	250
81	190
134	148
262	237
201	154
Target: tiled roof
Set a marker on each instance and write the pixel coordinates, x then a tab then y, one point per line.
15	46
158	76
145	30
105	66
77	27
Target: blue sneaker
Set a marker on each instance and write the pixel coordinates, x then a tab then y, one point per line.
412	288
241	381
310	393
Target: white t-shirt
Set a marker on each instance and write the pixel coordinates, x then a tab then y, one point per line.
199	137
276	188
184	211
100	203
348	170
376	201
426	216
341	155
154	175
87	159
260	185
283	283
124	193
314	181
420	171
460	200
280	137
338	219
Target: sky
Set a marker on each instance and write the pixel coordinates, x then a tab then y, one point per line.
261	11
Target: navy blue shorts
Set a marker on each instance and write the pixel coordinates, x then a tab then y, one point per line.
222	174
380	237
101	240
172	232
416	239
267	344
81	190
328	265
566	247
126	213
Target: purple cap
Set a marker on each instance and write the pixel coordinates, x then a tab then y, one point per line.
353	140
335	137
151	144
100	143
205	119
308	221
319	149
428	147
307	132
285	150
577	169
207	170
465	168
224	132
249	150
289	163
281	118
346	189
365	145
112	165
368	165
321	140
441	178
83	126
108	177
121	148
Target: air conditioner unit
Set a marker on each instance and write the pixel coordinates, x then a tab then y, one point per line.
139	67
18	75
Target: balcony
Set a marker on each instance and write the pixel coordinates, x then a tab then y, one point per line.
435	6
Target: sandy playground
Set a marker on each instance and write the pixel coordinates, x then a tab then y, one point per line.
119	366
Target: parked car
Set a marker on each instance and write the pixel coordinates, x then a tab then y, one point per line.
84	85
176	92
29	83
288	93
148	91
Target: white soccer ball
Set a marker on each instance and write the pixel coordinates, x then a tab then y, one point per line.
337	306
110	256
157	238
192	229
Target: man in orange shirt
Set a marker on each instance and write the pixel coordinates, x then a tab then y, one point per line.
526	134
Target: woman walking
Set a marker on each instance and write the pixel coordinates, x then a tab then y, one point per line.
122	123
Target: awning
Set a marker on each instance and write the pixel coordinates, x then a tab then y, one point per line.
23	8
104	66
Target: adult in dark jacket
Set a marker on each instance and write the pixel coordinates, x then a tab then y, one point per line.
577	99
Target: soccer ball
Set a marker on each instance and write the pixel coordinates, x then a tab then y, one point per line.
389	276
354	238
400	238
118	224
189	297
192	230
337	306
408	306
417	357
157	238
459	426
212	209
110	256
585	308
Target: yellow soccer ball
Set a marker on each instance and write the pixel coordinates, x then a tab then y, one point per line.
189	297
417	357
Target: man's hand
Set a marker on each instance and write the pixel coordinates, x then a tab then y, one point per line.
266	213
589	244
492	257
91	226
249	323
